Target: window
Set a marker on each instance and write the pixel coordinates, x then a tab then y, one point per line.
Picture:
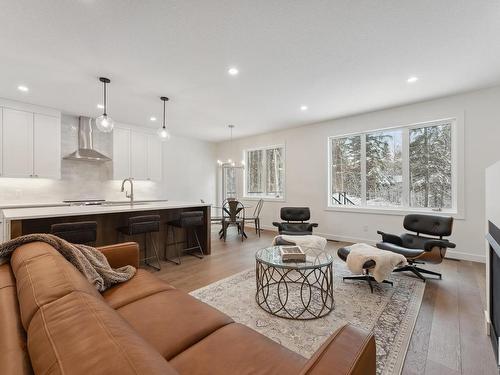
229	182
410	167
265	172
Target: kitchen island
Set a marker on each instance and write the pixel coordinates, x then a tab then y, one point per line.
109	216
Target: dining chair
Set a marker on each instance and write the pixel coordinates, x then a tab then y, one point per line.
233	213
256	216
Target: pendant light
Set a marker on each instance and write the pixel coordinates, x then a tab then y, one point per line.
230	162
105	123
163	132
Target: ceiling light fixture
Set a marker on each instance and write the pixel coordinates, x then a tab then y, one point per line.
412	79
100	106
230	162
304	107
105	123
152	118
23	88
163	132
233	71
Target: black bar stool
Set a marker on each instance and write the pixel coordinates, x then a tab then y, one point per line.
83	232
189	221
147	225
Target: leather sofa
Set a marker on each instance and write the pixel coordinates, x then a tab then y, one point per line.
52	321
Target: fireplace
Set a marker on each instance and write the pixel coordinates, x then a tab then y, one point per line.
493	238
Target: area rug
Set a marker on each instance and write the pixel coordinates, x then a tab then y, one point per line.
390	313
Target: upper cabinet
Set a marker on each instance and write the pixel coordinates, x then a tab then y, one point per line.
139	155
155	157
17	143
46	146
136	154
31	144
121	153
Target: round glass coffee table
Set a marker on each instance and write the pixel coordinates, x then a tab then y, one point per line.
294	290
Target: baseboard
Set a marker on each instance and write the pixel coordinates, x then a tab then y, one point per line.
450	254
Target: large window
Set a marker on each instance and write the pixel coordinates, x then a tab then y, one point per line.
265	172
410	167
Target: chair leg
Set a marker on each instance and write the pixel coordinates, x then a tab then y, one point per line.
418	271
198	246
368	278
258	226
178	261
155	250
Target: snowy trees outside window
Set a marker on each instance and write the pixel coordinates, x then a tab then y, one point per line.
265	172
409	167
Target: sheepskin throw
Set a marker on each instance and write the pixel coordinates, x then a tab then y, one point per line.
385	261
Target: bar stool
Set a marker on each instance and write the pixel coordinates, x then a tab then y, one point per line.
147	225
189	221
83	232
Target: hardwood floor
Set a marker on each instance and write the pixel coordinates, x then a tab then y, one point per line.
449	334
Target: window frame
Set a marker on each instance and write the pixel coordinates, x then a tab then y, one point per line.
457	209
264	197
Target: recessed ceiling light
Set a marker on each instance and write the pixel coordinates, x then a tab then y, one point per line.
304	107
233	71
412	79
152	118
100	106
23	88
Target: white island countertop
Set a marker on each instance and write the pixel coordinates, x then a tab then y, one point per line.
58	211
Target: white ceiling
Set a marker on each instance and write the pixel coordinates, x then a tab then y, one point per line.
336	57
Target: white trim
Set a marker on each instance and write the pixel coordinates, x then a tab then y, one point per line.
457	155
398	211
264	196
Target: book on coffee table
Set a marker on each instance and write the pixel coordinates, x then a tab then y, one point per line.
292	254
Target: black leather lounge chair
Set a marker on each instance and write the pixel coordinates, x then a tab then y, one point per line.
420	249
295	224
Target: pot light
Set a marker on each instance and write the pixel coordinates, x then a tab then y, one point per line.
304	107
152	118
100	106
23	88
233	71
412	79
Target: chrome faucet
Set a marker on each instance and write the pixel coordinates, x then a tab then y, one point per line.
131	195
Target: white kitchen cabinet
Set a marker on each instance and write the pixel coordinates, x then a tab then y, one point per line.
46	146
31	144
136	154
139	155
155	157
121	153
17	143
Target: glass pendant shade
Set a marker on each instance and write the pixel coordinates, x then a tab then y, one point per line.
164	134
104	123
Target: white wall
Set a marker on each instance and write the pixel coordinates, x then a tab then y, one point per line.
188	166
306	167
189	169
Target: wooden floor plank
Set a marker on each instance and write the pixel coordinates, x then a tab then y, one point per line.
444	341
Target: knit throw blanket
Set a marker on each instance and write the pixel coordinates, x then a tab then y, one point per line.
88	260
385	261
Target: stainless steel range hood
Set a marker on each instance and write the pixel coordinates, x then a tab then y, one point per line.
85	149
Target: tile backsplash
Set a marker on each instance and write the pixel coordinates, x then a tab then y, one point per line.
79	179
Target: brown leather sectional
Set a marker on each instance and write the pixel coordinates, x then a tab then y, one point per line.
52	321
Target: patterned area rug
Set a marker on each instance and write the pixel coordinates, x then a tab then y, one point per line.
390	312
